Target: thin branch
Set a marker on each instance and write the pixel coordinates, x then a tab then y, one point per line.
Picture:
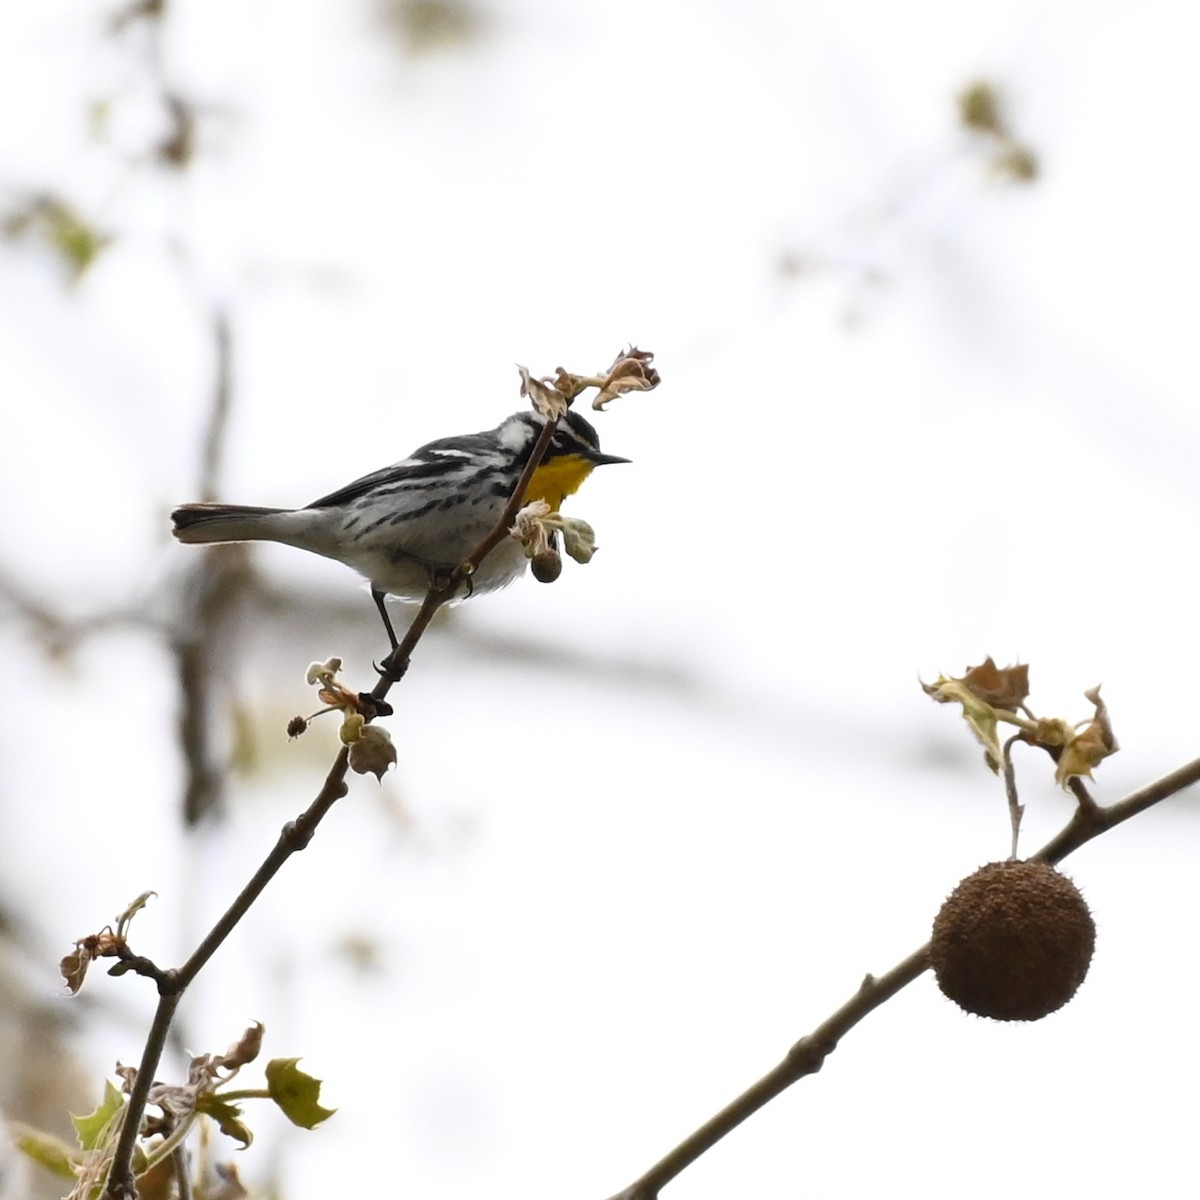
1089	823
120	1185
294	837
808	1055
58	634
1081	794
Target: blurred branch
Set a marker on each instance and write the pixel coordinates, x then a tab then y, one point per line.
808	1055
213	593
212	590
218	421
58	634
48	626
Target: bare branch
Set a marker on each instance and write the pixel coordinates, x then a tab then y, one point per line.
808	1055
294	837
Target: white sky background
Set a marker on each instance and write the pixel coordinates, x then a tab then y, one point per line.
614	899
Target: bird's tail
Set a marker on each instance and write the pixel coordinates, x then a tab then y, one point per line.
197	523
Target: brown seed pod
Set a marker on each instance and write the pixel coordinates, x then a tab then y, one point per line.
1013	941
546	566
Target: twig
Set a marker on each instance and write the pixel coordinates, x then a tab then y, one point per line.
294	837
1016	810
808	1055
1088	823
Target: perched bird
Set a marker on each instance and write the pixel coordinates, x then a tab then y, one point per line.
405	525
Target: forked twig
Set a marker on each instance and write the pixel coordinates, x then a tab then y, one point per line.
294	837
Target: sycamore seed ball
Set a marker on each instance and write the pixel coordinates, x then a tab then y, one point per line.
1013	942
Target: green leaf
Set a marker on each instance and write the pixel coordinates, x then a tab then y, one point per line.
227	1115
296	1093
51	1152
92	1128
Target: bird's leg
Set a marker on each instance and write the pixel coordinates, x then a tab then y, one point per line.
391	668
378	597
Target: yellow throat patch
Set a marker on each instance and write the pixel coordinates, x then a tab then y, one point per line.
558	478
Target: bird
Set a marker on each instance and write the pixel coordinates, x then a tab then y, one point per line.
408	526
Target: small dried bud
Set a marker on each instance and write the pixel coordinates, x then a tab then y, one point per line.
73	969
546	565
296	726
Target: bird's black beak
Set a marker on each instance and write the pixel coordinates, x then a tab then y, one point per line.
602	460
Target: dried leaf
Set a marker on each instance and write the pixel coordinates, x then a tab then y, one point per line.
543	394
1093	742
1001	687
631	371
73	968
245	1050
530	528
